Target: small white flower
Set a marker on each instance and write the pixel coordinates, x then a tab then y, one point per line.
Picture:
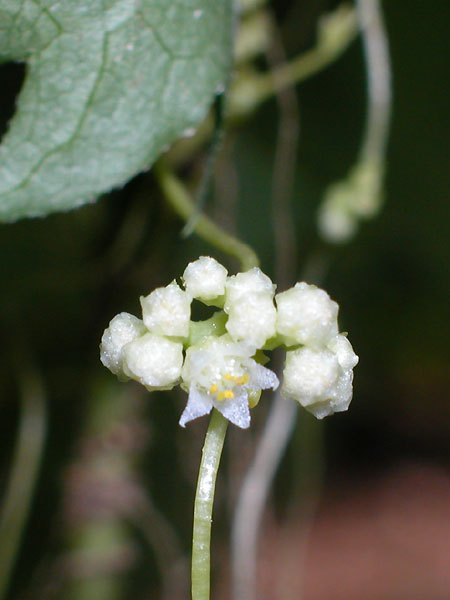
321	380
154	361
205	278
123	329
220	373
306	315
250	308
167	311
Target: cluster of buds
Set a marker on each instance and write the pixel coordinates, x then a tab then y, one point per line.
219	361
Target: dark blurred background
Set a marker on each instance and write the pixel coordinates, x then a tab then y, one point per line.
118	474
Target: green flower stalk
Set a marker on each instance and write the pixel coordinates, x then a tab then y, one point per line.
204	498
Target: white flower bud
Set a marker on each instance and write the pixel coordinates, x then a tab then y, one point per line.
306	315
252	321
124	328
250	308
154	361
321	380
167	311
249	282
205	278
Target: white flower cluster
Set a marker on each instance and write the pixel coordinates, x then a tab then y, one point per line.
214	360
319	368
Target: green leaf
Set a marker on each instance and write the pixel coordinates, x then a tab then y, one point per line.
109	85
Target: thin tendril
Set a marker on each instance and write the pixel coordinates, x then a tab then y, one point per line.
178	197
379	76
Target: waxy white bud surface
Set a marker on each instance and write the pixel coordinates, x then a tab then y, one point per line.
124	328
154	361
248	282
205	278
167	311
306	315
344	352
252	320
250	308
321	380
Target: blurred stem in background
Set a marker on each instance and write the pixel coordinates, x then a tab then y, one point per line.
105	502
26	462
359	195
100	492
250	89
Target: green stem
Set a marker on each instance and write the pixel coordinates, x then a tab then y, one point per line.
335	35
180	200
203	506
24	472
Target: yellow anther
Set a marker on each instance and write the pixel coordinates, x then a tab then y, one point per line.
221	396
228	394
243	379
228	376
213	389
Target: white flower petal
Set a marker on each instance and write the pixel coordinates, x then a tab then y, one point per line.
198	404
236	410
262	378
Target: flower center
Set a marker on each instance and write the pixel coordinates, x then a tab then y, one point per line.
224	389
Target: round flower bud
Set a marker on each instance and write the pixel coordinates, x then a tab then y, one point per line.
167	311
124	328
205	278
248	282
250	308
306	315
154	361
321	380
252	320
